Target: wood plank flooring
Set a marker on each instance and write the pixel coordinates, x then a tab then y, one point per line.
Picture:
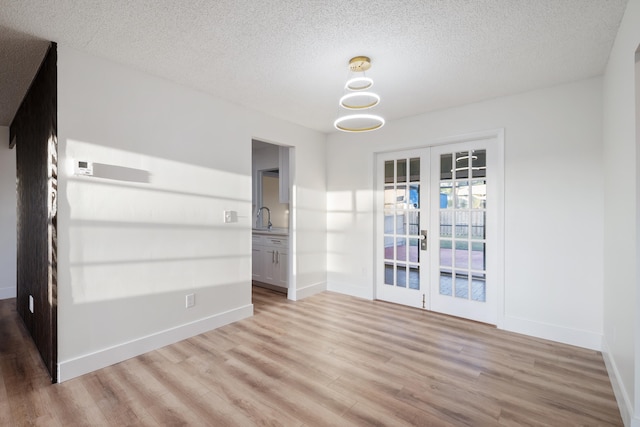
327	360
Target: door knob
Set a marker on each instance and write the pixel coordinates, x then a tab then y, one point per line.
423	240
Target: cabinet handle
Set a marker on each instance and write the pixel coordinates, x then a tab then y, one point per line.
273	257
278	257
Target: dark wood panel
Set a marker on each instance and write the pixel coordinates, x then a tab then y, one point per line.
34	130
329	359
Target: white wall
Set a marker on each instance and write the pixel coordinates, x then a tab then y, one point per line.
130	251
553	204
8	219
621	331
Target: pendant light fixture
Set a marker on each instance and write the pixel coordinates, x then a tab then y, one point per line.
357	98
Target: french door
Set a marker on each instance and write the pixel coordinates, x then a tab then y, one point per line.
437	212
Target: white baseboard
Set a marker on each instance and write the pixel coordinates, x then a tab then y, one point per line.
69	369
577	337
6	293
309	290
354	291
622	398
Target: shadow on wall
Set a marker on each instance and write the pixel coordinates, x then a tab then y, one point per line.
121	173
135	232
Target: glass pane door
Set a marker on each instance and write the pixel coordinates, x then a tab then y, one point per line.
438	216
402	184
462	213
464	184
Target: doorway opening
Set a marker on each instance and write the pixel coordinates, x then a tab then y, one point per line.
273	218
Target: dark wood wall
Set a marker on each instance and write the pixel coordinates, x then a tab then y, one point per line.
35	131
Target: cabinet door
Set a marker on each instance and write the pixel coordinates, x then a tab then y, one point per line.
270	271
257	264
282	278
283	165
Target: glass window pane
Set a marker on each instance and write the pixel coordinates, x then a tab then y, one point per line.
478	254
414	278
462	165
462	195
479	194
401	276
479	163
446	166
414	250
445	253
401	170
462	255
414	223
389	197
462	285
388	172
401	197
388	248
477	225
401	223
446	287
446	223
414	169
462	224
446	195
414	196
478	288
401	249
388	274
388	222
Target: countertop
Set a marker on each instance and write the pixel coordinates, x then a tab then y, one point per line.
283	232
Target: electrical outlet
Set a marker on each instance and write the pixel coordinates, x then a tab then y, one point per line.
190	300
31	303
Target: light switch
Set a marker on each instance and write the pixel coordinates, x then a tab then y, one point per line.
230	216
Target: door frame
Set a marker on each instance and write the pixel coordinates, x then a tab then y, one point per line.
291	255
491	134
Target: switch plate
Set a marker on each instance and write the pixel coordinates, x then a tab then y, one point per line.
31	303
230	216
190	300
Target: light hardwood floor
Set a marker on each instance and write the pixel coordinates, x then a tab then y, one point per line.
327	360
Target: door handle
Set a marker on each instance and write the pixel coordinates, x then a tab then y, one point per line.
423	240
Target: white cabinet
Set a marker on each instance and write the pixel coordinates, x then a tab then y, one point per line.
269	263
283	167
257	258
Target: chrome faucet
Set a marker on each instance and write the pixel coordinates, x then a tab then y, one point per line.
258	222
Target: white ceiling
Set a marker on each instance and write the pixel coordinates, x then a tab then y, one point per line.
288	58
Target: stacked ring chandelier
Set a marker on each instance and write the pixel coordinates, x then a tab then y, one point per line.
357	99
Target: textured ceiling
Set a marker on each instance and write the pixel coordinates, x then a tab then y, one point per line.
289	58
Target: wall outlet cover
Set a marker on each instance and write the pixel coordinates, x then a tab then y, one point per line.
190	300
